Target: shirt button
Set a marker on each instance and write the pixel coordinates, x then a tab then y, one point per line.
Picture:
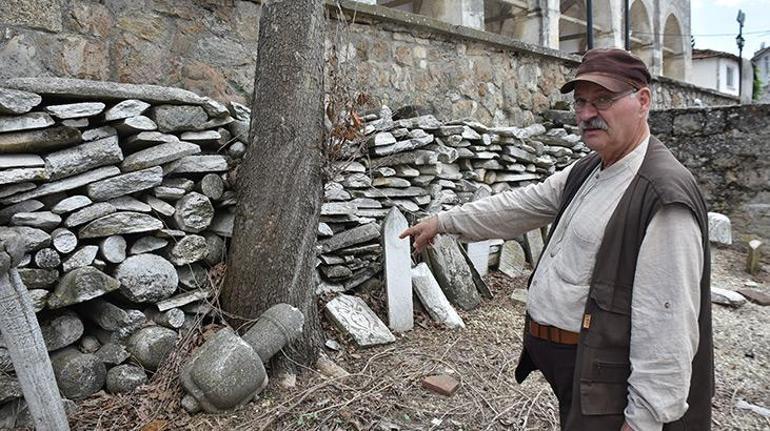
667	305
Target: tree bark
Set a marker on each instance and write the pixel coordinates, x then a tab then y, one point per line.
280	186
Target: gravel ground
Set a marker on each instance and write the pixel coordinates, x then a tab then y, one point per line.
383	388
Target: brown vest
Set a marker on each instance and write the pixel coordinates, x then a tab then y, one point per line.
600	386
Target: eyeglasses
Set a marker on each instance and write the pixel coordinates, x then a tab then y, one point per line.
602	103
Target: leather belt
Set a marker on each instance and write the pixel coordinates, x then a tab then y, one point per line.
552	333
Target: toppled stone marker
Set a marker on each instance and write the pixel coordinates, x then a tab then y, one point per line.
355	318
228	371
433	298
727	297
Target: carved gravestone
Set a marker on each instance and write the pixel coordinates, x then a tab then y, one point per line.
355	318
398	283
452	272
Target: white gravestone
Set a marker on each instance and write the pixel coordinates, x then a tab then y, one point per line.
354	317
398	283
433	298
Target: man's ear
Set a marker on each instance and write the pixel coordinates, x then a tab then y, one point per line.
645	99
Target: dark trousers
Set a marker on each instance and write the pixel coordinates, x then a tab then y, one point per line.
557	363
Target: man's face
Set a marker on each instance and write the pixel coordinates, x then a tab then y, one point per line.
609	130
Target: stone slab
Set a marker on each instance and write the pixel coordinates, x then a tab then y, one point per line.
120	223
481	285
433	299
352	316
350	237
535	245
478	252
398	283
17	102
20	161
158	154
125	184
84	157
75	110
104	90
38	141
64	185
32	120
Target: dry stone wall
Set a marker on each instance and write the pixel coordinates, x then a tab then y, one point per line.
123	198
210	48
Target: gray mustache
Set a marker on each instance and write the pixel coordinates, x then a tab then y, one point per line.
593	123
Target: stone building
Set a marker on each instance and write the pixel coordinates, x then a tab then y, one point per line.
659	29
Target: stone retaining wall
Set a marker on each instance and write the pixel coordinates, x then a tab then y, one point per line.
726	148
210	48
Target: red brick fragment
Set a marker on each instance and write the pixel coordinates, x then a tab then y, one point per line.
442	384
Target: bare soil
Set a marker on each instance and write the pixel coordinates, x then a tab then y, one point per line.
383	389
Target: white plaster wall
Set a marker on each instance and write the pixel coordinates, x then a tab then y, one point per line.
705	73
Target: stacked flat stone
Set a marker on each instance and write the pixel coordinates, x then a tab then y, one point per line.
422	166
122	195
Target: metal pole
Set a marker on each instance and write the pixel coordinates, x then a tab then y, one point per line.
589	24
627	29
741	18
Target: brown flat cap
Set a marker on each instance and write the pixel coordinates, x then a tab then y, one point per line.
614	69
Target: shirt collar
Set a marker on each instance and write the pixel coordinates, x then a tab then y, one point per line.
629	162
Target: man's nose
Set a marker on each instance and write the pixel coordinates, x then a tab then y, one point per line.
589	111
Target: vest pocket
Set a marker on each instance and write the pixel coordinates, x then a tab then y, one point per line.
603	398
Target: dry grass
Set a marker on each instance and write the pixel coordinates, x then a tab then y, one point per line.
383	390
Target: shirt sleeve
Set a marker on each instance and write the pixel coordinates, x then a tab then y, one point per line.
509	214
664	319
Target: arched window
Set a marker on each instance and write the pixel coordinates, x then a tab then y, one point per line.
642	41
673	49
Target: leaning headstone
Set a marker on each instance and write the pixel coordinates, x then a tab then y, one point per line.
478	252
481	285
726	297
752	259
513	260
719	229
398	284
535	243
452	272
433	298
355	318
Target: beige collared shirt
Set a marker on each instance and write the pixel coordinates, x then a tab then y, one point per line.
666	287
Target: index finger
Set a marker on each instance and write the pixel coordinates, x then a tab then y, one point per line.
407	232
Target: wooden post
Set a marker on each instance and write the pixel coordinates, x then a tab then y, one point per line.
25	344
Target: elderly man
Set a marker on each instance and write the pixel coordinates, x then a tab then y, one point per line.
618	312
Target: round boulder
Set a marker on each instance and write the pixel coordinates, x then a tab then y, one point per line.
125	378
146	278
77	374
194	212
188	249
150	346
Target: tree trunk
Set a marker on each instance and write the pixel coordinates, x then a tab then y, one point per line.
279	185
